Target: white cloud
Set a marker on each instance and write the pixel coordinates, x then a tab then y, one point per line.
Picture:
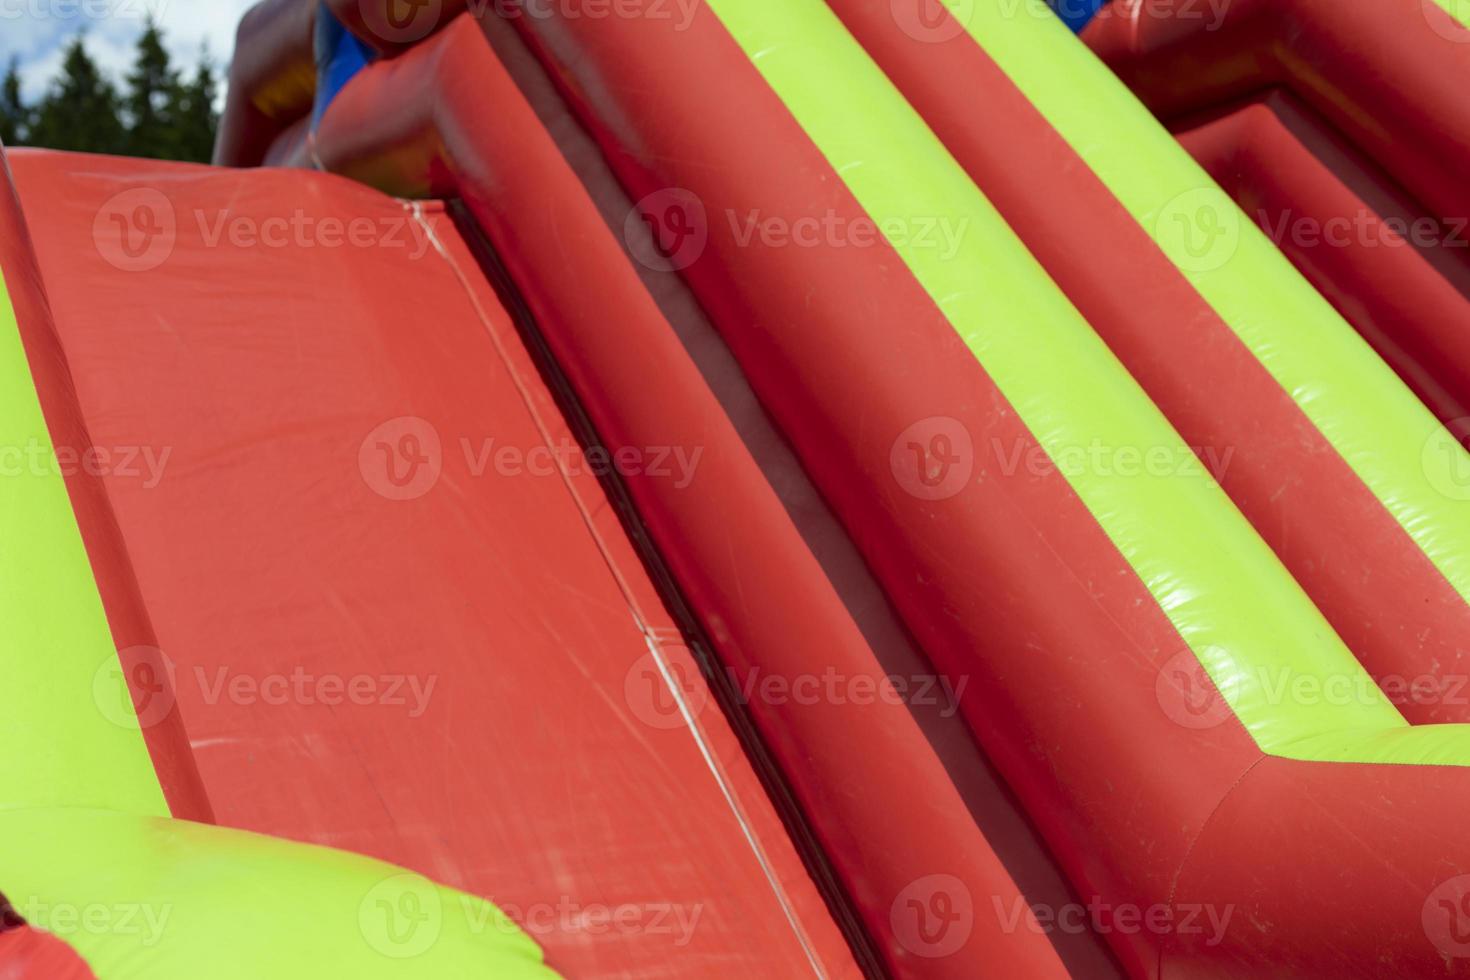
36	31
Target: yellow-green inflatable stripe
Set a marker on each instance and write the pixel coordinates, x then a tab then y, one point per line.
70	737
1458	9
1224	590
168	899
1388	437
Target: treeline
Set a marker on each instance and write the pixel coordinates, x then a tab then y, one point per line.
157	112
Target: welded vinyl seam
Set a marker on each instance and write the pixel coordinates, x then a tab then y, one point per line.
651	638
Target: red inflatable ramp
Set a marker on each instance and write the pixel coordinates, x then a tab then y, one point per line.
391	598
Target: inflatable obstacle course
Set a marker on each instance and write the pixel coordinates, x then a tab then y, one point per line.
692	501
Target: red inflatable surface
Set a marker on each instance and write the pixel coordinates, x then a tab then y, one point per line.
679	489
378	557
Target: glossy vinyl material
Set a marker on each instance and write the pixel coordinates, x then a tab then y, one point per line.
1086	395
73	739
394	624
272	78
61	747
1404	621
1400	278
996	811
161	899
1390	74
1061	593
764	601
1388	437
1013	578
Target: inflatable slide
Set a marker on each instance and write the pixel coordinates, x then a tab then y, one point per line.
748	488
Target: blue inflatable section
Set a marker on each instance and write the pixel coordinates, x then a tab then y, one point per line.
339	56
1077	14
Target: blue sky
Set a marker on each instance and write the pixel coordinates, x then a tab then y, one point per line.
37	30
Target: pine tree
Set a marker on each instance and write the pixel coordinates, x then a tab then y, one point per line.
194	114
80	112
161	115
14	116
152	88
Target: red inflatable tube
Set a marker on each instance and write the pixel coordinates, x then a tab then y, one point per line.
29	954
1297	179
1294	487
686	99
168	743
392	26
417	125
1013	582
999	815
272	80
1358	872
1390	74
